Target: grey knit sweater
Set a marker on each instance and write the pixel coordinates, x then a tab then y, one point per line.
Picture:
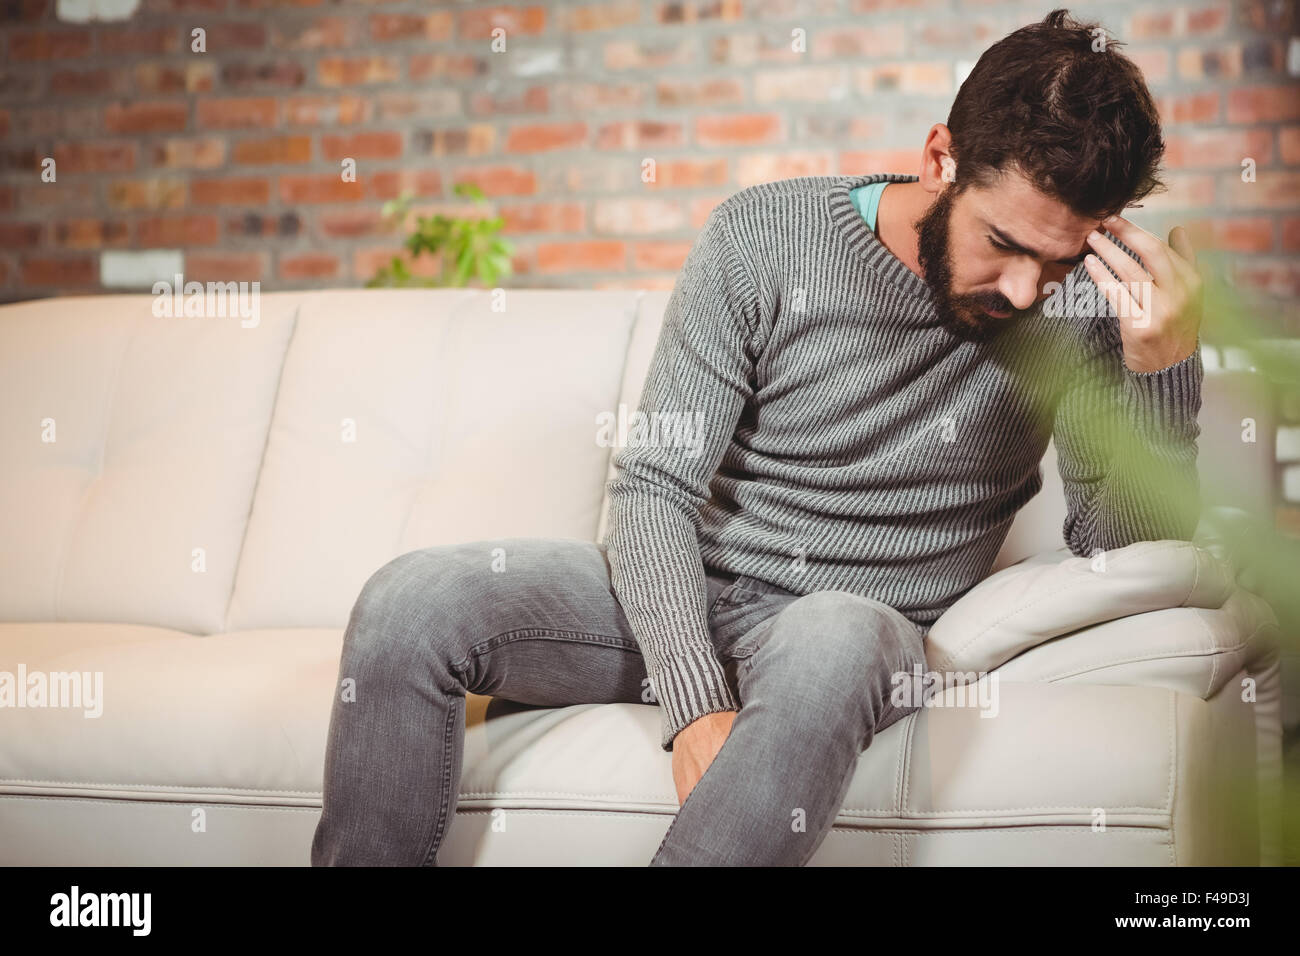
815	426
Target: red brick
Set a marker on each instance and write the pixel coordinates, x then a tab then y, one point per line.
95	157
224	266
738	129
134	41
325	187
1153	24
1208	20
98	82
48	271
391	183
190	230
27	10
595	255
321	33
1186	191
49	44
369	145
601	16
480	139
5	117
365	262
439	103
689	173
235	36
173	78
405	26
532	99
357	71
666	256
280	73
674	13
1288	139
240	113
543	137
349	223
634	216
1152	61
886	39
1270	190
501	180
544	217
246	190
342	110
198	153
1216	148
516	21
149	117
445	66
20	235
809	84
1266	16
863	161
277	149
90	234
1192	108
1281	279
932	78
640	134
875	6
703	93
309	265
1243	233
75	195
754	168
146	194
1263	104
1291	234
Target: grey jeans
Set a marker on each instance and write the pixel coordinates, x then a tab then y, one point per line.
535	621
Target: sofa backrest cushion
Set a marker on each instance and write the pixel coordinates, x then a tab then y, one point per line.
132	444
412	418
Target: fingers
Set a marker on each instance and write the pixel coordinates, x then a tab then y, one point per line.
1153	253
1120	295
1185	259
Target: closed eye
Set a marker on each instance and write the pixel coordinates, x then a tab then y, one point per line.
1002	247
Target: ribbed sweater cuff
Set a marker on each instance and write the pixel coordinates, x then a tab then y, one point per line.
1165	403
689	685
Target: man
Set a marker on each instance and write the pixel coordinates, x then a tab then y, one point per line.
872	393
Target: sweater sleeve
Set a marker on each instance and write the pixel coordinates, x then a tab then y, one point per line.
696	387
1126	447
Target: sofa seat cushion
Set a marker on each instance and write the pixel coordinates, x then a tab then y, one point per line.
233	718
241	718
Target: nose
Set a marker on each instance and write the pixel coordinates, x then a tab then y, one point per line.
1019	283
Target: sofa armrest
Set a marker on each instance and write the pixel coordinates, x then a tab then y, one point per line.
1052	594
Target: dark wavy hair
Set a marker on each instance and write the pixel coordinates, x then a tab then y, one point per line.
1057	102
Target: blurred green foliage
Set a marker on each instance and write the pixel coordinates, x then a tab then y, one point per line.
470	248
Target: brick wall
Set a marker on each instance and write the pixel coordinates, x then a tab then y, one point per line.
226	163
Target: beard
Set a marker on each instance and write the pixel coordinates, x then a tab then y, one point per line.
962	315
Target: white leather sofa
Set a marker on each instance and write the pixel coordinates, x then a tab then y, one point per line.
215	496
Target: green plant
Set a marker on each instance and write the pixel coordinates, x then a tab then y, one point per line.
469	247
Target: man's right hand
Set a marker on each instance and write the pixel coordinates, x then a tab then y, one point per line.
694	748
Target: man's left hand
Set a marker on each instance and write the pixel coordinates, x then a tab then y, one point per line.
1158	302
